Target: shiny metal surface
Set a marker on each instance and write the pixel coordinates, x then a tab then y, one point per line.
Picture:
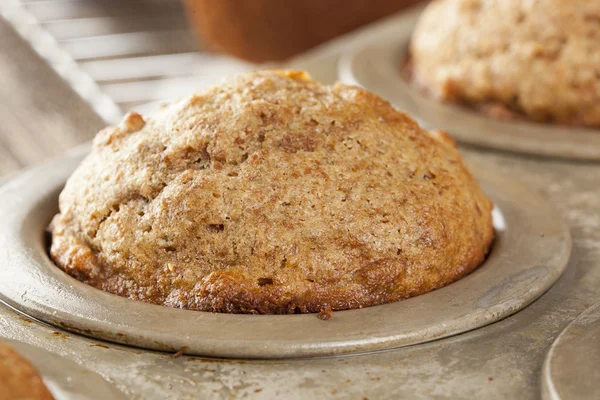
530	252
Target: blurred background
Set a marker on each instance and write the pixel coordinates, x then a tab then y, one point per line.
69	67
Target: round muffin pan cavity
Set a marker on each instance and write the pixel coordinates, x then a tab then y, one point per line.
530	252
571	367
378	67
65	379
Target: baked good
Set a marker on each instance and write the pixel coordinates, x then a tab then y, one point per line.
538	60
271	193
269	30
18	379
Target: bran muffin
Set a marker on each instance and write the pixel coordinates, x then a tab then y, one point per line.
271	193
538	60
18	378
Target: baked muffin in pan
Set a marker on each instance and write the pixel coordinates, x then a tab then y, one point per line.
536	60
271	193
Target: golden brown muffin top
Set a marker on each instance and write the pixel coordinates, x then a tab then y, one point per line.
540	59
271	193
18	379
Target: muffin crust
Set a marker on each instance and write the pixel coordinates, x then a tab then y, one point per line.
271	193
534	59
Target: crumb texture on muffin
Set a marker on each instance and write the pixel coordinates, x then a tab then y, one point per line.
271	193
18	378
538	58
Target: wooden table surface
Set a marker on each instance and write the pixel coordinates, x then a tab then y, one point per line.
40	115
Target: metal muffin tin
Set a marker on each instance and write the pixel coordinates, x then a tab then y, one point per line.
377	67
529	254
571	370
65	379
500	361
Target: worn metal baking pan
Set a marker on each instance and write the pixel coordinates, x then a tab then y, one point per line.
529	254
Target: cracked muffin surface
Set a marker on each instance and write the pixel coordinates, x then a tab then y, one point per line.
271	193
537	59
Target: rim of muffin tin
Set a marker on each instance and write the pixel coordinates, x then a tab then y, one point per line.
568	371
377	68
531	251
65	379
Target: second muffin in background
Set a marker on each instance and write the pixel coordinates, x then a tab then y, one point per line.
538	60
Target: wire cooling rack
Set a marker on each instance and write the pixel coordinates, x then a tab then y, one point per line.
121	55
118	55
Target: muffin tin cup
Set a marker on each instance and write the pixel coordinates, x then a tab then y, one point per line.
529	254
571	370
377	68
